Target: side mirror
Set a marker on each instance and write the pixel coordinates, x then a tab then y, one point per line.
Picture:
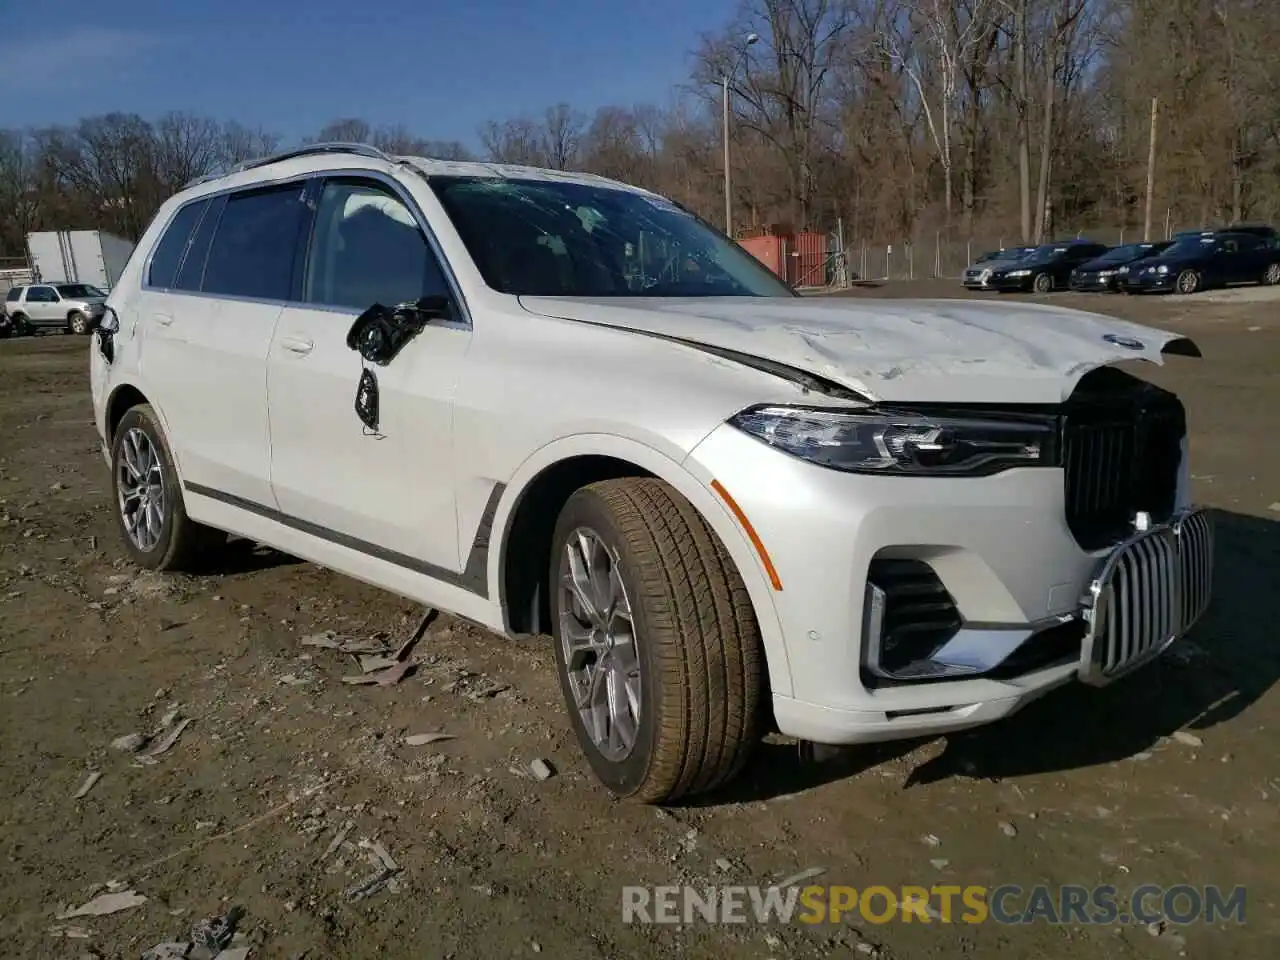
380	333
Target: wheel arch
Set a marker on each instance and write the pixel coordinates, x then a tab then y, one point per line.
528	510
122	398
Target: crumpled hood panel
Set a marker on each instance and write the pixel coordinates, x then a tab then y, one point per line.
955	351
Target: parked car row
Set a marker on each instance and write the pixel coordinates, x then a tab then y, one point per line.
74	307
1191	261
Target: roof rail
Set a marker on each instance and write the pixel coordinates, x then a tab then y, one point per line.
310	149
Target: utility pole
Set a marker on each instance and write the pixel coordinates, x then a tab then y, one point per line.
1151	171
728	194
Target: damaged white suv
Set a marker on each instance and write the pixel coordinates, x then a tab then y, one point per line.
549	402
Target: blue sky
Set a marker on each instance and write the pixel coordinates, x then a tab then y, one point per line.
441	68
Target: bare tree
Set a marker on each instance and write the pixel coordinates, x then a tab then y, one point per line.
562	136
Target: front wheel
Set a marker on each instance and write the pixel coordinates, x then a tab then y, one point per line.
150	513
1043	283
1271	276
657	646
78	323
1188	282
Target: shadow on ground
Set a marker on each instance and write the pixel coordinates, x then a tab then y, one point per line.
1227	663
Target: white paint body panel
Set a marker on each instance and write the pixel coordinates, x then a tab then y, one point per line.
533	382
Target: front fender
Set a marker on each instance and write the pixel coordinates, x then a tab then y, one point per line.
704	500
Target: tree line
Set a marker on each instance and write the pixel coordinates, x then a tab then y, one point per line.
899	118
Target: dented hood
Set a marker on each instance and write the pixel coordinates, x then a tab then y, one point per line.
955	351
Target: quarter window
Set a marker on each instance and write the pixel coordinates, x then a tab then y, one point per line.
192	270
164	262
14	294
367	248
252	252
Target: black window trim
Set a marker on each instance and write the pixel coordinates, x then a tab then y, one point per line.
145	282
309	180
214	209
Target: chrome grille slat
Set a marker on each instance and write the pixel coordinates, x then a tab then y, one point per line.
1150	590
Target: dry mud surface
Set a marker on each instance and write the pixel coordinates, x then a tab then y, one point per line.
266	796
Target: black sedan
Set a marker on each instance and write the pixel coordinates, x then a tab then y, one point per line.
1195	263
1046	268
1108	271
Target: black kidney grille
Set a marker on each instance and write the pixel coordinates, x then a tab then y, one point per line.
1121	456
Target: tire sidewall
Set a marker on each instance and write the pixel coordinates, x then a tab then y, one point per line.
1178	282
78	323
1042	283
142	418
585	509
1271	276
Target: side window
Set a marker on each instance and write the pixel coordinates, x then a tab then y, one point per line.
14	294
41	295
252	252
192	270
164	262
367	248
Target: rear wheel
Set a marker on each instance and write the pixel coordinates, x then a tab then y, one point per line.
1188	282
21	325
1271	276
150	513
659	654
1043	283
78	323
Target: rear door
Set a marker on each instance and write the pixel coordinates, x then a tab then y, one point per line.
208	334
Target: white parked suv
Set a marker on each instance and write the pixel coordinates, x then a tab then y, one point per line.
550	402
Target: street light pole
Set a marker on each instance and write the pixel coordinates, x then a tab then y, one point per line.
728	194
724	109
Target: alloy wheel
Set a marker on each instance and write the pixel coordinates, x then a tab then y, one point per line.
597	636
140	489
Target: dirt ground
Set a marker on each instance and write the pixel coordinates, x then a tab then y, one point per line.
280	758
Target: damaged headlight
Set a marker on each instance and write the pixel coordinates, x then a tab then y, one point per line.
903	443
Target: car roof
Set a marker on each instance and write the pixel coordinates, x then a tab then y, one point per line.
315	158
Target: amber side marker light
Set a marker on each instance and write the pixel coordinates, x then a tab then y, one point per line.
754	537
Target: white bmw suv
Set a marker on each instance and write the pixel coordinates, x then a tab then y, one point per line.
550	402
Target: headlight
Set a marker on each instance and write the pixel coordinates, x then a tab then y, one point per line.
1104	274
1162	269
1123	270
902	442
1019	273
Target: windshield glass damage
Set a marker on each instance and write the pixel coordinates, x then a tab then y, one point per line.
560	239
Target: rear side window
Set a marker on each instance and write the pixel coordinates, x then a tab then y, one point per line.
192	270
15	293
164	262
253	249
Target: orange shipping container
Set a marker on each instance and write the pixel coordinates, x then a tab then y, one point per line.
768	250
807	260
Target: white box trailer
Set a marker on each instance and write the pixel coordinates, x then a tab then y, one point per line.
78	256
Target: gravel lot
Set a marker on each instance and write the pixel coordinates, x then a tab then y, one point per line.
280	758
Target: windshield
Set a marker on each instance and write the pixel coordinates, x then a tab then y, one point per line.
1047	251
1130	251
545	238
78	291
1189	247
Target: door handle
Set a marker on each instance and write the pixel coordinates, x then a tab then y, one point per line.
164	319
299	345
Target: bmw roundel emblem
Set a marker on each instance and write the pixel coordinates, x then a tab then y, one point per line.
1127	342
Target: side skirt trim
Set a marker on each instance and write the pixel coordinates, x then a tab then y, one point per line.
472	578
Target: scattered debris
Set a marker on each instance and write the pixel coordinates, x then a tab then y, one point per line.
1008	829
1275	507
427	619
352	645
422	739
940	864
385	871
170	716
130	742
371	662
383	678
723	865
1189	739
85	787
106	904
931	840
71	933
165	744
487	693
292	680
541	769
798	878
339	839
1155	928
216	933
172	950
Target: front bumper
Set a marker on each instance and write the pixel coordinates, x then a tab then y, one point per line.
1092	283
1011	284
822	529
1150	283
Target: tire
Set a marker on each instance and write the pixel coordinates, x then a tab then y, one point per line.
695	646
1271	276
78	323
180	543
21	325
1043	283
1188	282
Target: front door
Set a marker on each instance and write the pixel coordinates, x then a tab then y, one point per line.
42	306
386	491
